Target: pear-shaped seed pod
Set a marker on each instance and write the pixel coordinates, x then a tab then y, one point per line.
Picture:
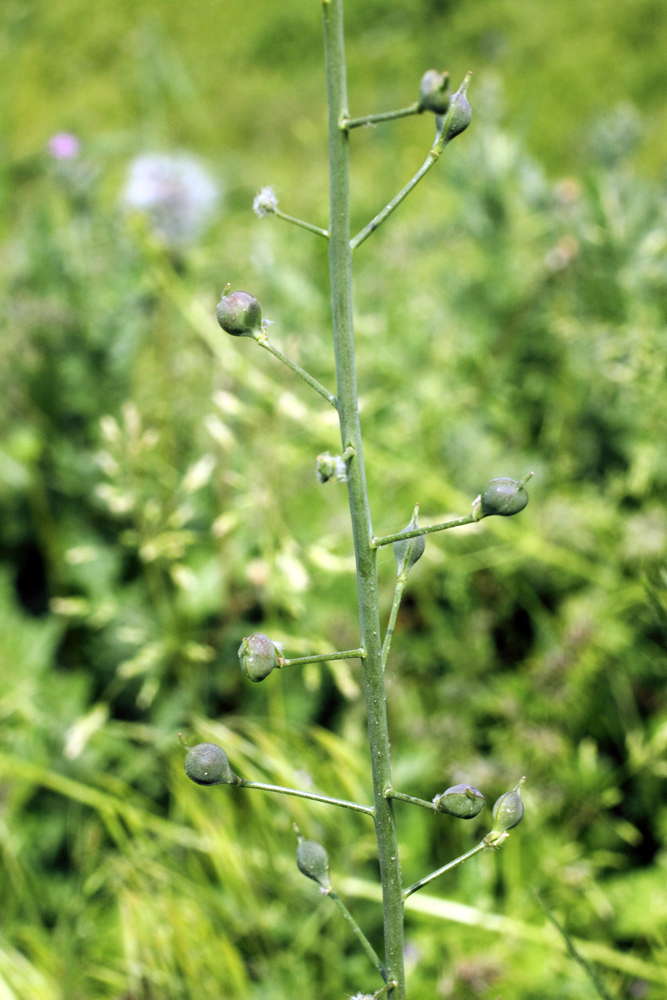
502	496
409	550
459	114
239	314
313	861
433	94
207	764
462	801
508	810
258	656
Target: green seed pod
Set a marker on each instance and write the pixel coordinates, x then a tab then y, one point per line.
313	861
462	801
239	314
501	496
207	764
508	810
258	656
409	550
459	114
433	94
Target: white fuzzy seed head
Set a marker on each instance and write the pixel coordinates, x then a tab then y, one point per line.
265	202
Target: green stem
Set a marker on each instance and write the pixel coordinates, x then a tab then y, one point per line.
340	269
569	944
377	543
385	989
359	934
349	654
263	341
398	594
300	222
402	797
383	116
445	868
355	806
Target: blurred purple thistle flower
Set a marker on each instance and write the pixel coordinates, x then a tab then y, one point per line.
175	192
63	146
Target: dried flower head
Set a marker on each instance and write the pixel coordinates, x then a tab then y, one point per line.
265	202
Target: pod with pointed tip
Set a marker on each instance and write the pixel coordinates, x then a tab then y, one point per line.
313	861
508	810
501	496
207	764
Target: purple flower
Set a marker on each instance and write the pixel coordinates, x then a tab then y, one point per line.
63	146
175	192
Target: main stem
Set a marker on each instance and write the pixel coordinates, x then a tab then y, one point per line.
340	269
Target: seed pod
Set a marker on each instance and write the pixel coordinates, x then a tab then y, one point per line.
433	94
409	550
313	861
258	656
508	810
462	801
239	314
501	496
207	764
459	114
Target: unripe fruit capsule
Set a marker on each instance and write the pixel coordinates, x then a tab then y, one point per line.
433	94
207	764
313	861
239	314
462	801
258	656
508	810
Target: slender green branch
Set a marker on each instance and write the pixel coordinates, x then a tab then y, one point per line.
383	116
340	271
374	224
402	797
443	136
579	958
398	594
264	342
355	806
391	985
349	654
300	222
445	868
359	934
377	543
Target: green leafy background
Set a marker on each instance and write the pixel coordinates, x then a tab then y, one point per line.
158	501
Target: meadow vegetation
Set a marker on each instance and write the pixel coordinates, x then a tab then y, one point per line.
158	502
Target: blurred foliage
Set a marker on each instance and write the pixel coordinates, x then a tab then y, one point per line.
158	502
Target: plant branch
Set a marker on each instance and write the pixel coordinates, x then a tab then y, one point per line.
355	806
299	222
569	944
402	797
264	342
340	270
391	625
358	933
445	868
383	116
377	543
442	138
349	654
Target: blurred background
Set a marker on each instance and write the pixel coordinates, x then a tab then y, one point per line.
158	500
